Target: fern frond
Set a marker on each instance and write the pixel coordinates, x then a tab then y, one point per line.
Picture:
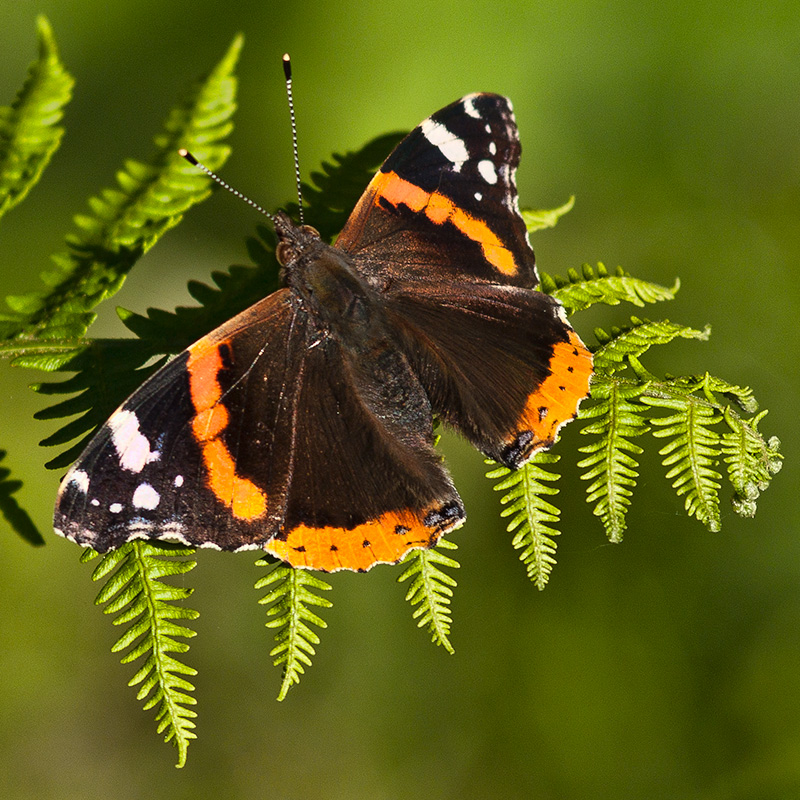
29	129
288	601
581	290
531	515
16	516
431	590
539	219
751	461
611	469
135	593
126	221
692	453
635	339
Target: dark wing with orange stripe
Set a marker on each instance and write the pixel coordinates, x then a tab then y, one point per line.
444	204
499	363
164	465
267	434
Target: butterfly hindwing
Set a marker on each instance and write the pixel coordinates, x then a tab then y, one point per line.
506	389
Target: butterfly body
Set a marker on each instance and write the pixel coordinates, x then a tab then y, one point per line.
304	425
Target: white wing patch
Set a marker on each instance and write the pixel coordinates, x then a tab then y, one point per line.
145	496
80	478
487	171
132	446
449	145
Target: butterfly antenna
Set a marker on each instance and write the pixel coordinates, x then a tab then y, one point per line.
184	153
287	71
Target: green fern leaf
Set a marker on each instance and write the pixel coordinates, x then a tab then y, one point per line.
692	453
236	289
610	467
531	515
288	603
741	395
431	590
751	461
29	129
579	291
135	593
16	516
635	339
537	220
126	221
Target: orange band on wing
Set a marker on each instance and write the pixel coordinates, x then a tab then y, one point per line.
556	401
439	209
245	500
380	541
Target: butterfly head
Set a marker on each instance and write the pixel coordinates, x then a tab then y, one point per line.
293	240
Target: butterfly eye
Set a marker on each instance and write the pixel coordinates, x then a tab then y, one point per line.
284	253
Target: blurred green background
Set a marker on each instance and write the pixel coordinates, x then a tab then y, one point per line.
666	667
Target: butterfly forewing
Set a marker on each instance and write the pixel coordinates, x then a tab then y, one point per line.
444	204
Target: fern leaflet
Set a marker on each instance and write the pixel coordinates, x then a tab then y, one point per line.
135	592
691	454
431	590
635	339
611	469
537	220
288	603
751	461
29	129
580	291
531	515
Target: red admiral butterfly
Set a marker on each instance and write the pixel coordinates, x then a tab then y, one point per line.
303	425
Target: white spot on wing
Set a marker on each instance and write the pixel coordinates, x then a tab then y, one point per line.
80	478
450	146
178	482
145	496
487	171
95	501
132	446
478	196
115	508
469	107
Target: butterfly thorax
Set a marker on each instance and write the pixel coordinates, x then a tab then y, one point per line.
322	278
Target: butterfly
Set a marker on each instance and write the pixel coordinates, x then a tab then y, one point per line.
304	425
